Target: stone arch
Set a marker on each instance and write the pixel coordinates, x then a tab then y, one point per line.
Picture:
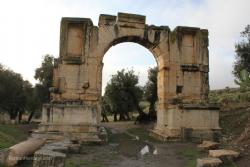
182	58
132	39
145	44
135	39
153	48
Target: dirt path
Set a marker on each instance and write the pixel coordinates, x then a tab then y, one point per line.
126	151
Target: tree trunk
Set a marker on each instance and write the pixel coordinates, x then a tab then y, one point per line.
31	115
127	115
20	115
136	103
12	115
106	118
122	117
115	117
152	112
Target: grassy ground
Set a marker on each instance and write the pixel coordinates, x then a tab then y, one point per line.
228	95
99	156
192	155
234	119
142	134
12	134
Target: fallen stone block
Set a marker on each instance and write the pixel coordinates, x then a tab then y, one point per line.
3	155
222	154
208	162
22	150
48	158
208	145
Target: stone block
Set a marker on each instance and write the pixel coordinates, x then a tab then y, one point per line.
228	154
208	145
106	20
22	150
3	155
131	18
208	162
48	158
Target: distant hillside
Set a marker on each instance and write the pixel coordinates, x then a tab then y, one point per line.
229	95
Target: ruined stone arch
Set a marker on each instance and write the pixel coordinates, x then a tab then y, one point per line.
132	39
125	40
182	58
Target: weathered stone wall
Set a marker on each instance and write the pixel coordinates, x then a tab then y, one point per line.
64	114
181	56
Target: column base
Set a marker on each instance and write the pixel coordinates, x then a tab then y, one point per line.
194	122
69	121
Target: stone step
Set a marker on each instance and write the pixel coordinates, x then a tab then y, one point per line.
228	154
208	162
208	145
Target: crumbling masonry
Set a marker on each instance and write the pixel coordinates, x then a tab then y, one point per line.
182	58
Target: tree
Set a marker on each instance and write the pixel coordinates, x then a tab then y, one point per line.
123	94
150	91
39	95
12	93
33	101
105	109
242	50
18	96
44	75
244	79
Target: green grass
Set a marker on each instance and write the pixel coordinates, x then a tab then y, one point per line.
227	163
82	163
229	95
116	137
142	134
233	124
10	135
192	155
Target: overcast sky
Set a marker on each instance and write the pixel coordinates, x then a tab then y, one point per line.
29	29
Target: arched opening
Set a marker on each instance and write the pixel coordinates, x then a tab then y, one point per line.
130	56
182	59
